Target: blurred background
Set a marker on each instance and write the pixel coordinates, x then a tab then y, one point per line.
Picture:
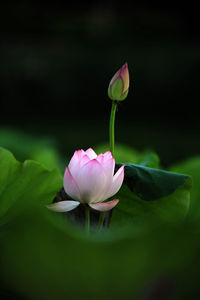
56	61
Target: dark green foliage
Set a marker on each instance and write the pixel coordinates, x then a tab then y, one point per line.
149	243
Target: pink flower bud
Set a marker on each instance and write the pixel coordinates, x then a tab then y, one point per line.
90	179
119	84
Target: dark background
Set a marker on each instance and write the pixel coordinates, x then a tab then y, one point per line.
56	60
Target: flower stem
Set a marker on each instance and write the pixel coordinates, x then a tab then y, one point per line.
112	127
87	219
101	220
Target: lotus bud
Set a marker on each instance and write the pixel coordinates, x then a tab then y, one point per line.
119	84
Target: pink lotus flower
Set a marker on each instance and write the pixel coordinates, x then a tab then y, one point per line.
90	179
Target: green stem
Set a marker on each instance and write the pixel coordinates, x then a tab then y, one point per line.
112	127
87	219
101	220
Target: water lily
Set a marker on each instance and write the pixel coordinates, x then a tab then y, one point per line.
89	179
119	84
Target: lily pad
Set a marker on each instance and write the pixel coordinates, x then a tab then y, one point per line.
150	184
25	146
192	167
22	184
152	193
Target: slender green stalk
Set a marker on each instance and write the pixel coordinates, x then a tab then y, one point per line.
87	219
101	220
112	127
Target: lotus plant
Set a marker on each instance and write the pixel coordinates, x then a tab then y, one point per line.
89	179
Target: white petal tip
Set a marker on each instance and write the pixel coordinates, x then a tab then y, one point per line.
104	206
63	206
90	152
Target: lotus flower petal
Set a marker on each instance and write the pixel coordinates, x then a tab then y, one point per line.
63	206
107	155
104	206
109	166
125	76
70	185
100	158
84	160
91	181
116	184
74	164
90	152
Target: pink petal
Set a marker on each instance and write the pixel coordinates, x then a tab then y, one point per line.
100	158
91	181
70	185
104	206
90	152
84	160
107	155
63	206
116	184
125	77
108	166
74	164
